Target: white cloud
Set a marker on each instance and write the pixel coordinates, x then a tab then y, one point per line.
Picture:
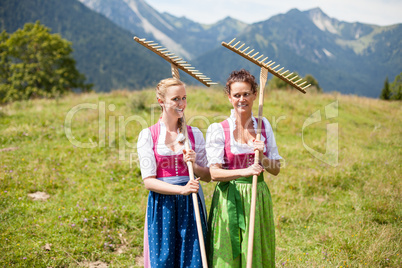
381	12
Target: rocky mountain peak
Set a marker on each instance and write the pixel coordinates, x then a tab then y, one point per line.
322	21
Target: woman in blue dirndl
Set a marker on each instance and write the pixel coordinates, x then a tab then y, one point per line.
170	231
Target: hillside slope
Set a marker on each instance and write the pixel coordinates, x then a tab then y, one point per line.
349	214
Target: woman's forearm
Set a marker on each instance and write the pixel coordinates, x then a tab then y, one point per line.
220	174
161	187
202	172
271	165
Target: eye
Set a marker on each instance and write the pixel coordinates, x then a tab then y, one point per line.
237	96
176	99
184	98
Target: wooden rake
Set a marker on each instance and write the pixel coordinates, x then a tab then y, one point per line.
290	79
175	61
176	64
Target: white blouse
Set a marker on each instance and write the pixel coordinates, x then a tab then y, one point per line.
147	157
215	144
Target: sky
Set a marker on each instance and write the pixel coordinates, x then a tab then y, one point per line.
379	12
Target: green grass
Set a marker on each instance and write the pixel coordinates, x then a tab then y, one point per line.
349	215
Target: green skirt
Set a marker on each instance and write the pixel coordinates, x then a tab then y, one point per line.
228	225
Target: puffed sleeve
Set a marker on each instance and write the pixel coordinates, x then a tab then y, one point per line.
201	154
272	149
146	154
215	144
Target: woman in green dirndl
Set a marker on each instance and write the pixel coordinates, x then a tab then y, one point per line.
230	147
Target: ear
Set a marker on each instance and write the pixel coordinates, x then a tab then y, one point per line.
160	102
229	97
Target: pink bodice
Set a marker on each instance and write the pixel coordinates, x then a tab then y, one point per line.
170	165
238	161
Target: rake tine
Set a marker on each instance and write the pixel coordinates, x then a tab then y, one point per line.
241	46
302	83
147	42
293	78
238	42
298	80
254	55
288	75
284	72
259	57
280	69
266	64
245	49
270	64
273	69
306	86
264	60
250	52
231	41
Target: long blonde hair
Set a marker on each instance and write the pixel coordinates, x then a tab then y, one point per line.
161	89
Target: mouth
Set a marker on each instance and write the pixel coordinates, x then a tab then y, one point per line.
179	110
242	105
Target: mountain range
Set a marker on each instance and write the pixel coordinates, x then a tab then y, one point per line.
351	58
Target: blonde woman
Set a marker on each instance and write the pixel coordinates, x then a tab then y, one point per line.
170	231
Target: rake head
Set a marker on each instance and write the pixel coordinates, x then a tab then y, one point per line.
175	61
269	65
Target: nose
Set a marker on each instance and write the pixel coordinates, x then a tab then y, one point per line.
182	103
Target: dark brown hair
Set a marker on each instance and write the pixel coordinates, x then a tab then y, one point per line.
241	76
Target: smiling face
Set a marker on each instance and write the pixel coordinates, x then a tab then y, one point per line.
242	97
174	101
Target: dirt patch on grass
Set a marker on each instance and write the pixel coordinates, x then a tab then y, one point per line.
9	149
39	196
96	264
139	260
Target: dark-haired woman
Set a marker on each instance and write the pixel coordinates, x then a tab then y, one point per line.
230	150
170	231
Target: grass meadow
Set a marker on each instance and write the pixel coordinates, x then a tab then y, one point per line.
340	207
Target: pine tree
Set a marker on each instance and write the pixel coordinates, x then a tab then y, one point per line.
396	88
385	93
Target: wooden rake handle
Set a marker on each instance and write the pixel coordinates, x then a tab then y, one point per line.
176	75
195	201
263	81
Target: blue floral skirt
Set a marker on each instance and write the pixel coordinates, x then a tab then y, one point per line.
171	231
